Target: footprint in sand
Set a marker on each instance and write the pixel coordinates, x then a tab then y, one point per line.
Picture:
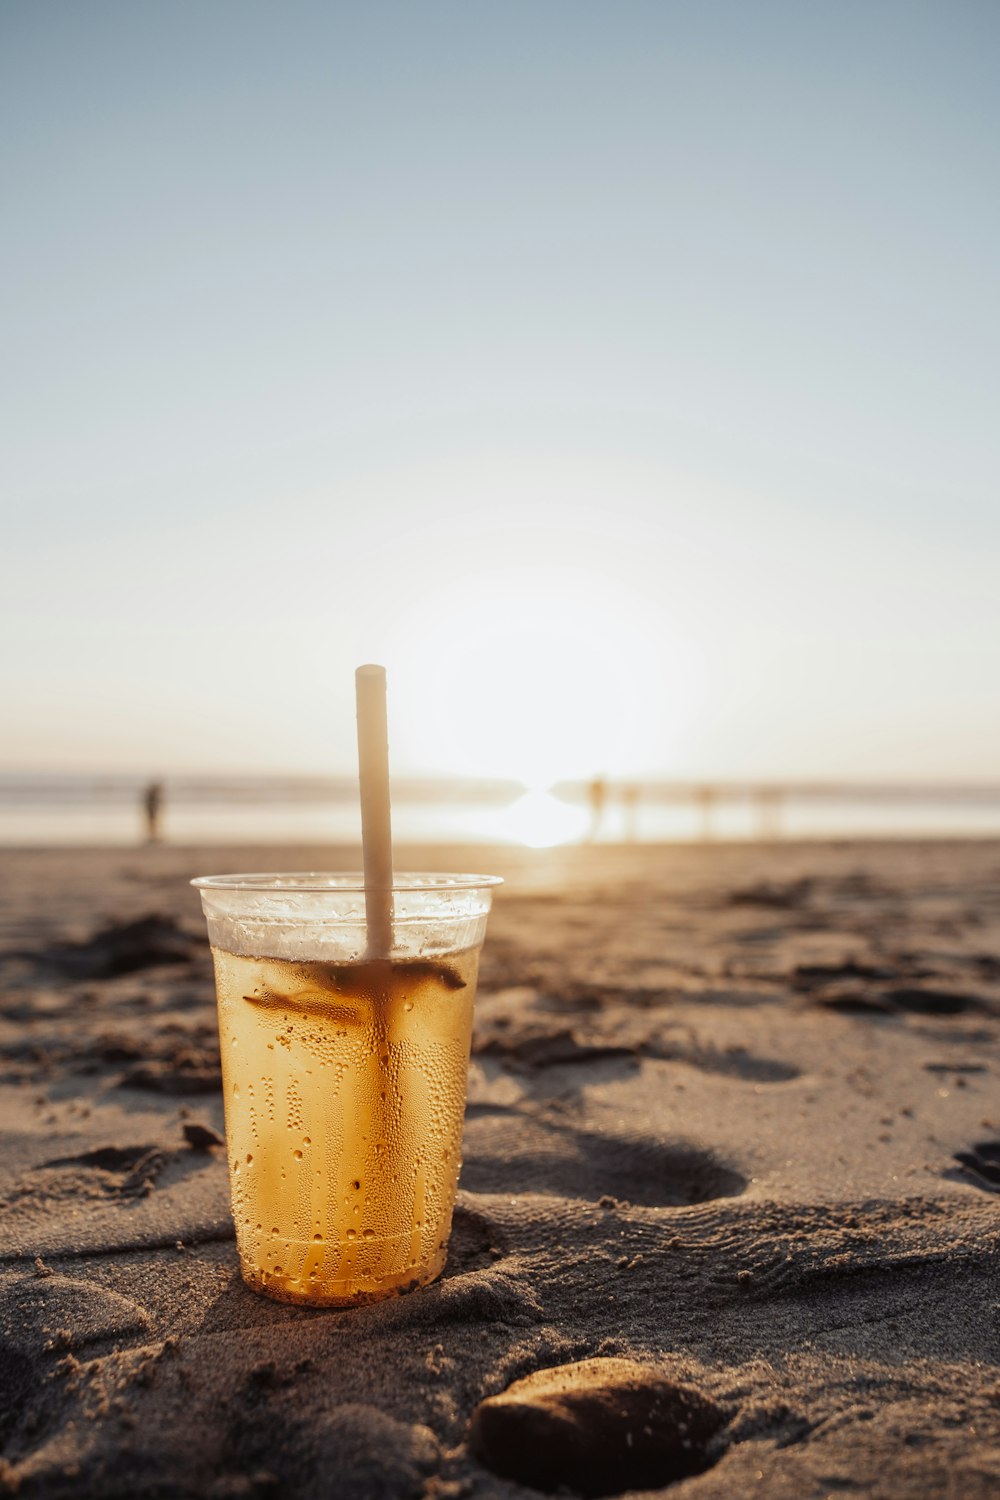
120	1171
475	1243
49	1315
117	1171
737	1063
548	1046
599	1427
124	948
34	1308
919	1000
351	1449
534	1044
982	1165
915	1000
505	1155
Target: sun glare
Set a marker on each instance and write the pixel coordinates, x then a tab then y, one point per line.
539	821
543	674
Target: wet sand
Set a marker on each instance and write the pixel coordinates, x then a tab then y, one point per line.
732	1179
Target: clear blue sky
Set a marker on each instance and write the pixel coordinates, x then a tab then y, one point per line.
645	350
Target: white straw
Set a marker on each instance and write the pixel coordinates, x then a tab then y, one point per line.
376	827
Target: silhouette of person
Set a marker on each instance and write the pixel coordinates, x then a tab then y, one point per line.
597	792
152	806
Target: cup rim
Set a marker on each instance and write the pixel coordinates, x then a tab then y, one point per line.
336	881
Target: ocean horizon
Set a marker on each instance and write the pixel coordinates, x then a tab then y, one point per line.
43	809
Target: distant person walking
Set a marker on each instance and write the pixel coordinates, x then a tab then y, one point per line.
152	806
597	795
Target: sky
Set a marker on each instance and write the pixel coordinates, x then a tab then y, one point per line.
622	375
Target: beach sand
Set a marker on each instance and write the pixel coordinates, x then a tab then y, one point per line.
732	1152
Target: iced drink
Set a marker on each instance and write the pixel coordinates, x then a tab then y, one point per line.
344	1084
345	1096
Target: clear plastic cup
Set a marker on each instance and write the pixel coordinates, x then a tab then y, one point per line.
344	1076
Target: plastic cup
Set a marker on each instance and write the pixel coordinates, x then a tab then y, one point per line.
344	1077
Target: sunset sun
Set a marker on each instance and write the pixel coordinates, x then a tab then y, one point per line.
542	675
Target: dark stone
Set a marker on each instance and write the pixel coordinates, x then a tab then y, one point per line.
599	1427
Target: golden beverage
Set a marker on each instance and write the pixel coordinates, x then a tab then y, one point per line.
344	1096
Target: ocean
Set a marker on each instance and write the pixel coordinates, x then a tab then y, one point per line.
107	809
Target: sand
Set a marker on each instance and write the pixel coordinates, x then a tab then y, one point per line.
732	1164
